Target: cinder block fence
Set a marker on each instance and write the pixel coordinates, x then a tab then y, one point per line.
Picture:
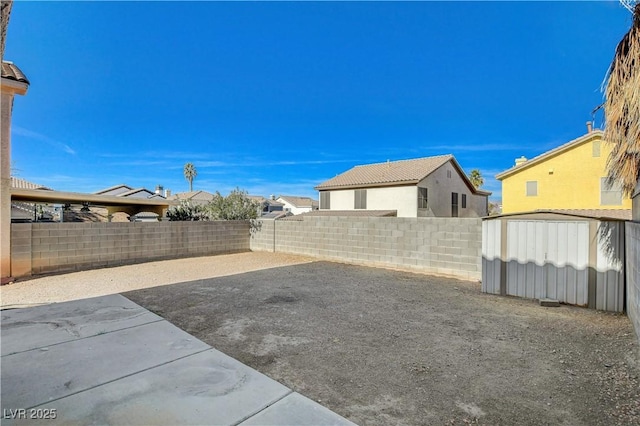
633	273
38	248
446	246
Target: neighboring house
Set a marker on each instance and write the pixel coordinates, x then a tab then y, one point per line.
195	197
297	205
127	191
27	212
266	205
94	214
571	176
422	187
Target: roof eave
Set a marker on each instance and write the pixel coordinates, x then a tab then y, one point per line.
368	185
549	154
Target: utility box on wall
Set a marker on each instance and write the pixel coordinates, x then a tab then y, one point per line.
575	259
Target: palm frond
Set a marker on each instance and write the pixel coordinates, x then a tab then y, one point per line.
622	109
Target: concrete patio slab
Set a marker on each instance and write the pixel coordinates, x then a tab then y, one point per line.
296	409
109	361
206	388
25	329
61	370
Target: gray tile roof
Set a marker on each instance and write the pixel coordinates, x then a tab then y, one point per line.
388	173
299	201
12	72
25	184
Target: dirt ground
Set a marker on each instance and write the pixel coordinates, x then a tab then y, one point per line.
384	347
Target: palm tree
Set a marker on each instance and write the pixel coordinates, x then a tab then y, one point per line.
622	108
5	11
476	178
190	174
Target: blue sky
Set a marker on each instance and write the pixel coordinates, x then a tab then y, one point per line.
277	97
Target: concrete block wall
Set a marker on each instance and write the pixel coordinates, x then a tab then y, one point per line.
262	237
62	247
632	242
446	246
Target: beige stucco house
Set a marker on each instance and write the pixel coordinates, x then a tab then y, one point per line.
421	187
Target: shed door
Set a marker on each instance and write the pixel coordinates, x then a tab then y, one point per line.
548	259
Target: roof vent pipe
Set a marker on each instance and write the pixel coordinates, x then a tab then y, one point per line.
589	126
521	160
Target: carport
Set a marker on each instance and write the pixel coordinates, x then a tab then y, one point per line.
574	257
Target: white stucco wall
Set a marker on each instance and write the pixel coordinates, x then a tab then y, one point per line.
342	199
293	209
404	199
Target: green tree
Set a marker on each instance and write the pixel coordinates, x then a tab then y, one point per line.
185	211
235	206
476	178
190	174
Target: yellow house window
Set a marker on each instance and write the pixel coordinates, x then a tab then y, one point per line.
532	188
610	195
596	148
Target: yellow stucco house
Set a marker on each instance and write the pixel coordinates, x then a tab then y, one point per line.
569	177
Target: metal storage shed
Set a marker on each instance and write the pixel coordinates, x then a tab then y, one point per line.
575	258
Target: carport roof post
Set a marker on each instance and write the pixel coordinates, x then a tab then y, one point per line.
12	83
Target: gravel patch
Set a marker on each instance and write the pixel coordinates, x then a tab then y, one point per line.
100	282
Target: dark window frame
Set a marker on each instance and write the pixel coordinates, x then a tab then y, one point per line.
454	204
423	200
325	200
360	199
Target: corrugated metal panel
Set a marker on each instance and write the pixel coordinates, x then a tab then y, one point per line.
567	272
491	247
610	267
525	258
548	259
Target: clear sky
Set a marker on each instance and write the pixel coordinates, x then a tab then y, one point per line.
277	97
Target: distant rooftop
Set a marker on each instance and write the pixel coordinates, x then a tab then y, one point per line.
390	172
25	184
12	72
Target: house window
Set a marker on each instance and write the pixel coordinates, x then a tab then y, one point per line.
454	204
532	188
325	200
360	199
596	148
610	195
464	201
422	198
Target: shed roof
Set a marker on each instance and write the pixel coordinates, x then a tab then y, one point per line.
600	214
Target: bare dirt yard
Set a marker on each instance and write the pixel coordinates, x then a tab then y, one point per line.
384	347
